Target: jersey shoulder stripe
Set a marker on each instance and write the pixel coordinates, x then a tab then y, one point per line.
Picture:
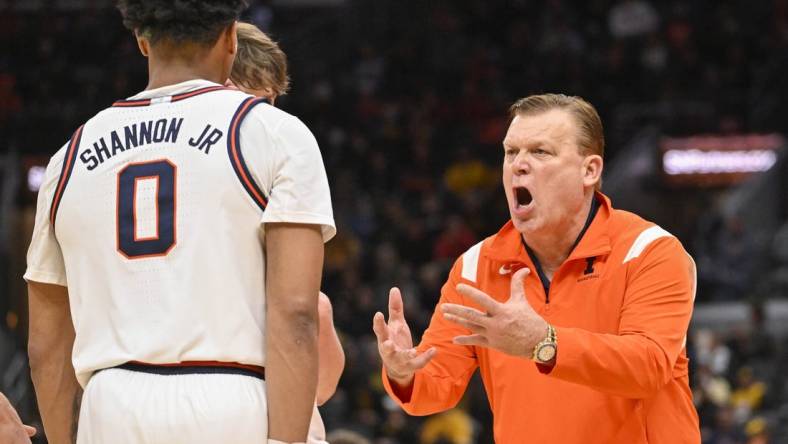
236	156
175	98
65	173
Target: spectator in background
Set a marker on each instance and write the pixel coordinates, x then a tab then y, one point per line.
454	240
725	430
632	18
467	174
711	392
260	13
760	346
757	431
712	352
748	395
10	102
12	431
396	426
733	265
454	427
342	436
778	278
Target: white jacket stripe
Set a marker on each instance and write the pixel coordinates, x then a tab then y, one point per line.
643	240
470	262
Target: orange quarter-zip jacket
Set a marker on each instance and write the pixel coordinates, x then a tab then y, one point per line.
620	303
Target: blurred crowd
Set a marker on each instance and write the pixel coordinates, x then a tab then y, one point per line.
408	100
739	384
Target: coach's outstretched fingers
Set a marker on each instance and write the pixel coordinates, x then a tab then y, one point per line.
12	431
512	327
395	343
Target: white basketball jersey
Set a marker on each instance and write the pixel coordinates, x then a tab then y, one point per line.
153	216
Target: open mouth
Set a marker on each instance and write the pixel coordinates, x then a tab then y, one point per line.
523	196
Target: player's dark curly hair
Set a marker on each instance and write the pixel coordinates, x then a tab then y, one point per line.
180	21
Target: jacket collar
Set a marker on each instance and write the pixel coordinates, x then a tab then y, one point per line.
507	245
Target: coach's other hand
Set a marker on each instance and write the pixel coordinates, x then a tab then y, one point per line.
395	343
12	431
512	327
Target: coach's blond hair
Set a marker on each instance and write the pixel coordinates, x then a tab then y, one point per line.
591	138
260	63
591	134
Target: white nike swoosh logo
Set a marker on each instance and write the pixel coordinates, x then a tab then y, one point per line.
504	270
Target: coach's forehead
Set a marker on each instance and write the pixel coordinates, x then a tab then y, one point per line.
555	126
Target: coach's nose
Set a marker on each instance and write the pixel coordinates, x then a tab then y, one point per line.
521	165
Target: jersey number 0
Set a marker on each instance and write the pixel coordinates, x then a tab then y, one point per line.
147	186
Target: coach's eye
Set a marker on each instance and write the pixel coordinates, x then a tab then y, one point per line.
539	152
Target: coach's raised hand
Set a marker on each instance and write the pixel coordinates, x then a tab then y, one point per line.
395	343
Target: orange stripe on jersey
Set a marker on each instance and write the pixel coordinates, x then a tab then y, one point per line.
128	103
65	173
182	96
175	98
236	156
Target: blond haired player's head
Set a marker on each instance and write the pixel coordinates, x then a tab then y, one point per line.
260	66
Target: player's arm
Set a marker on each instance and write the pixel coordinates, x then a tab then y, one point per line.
331	357
51	339
285	160
294	262
51	331
639	360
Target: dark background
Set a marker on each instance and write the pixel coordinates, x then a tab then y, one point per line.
408	101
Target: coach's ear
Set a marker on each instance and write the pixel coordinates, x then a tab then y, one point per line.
142	43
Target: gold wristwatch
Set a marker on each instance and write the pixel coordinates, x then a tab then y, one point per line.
545	351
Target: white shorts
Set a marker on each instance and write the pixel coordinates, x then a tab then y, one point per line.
131	407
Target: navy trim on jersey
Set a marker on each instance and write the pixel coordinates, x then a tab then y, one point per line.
65	173
189	370
236	156
175	98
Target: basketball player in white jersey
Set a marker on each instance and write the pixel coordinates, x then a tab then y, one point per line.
181	232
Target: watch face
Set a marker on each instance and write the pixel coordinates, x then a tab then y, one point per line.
545	353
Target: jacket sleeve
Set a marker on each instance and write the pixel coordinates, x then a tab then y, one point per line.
655	314
440	384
